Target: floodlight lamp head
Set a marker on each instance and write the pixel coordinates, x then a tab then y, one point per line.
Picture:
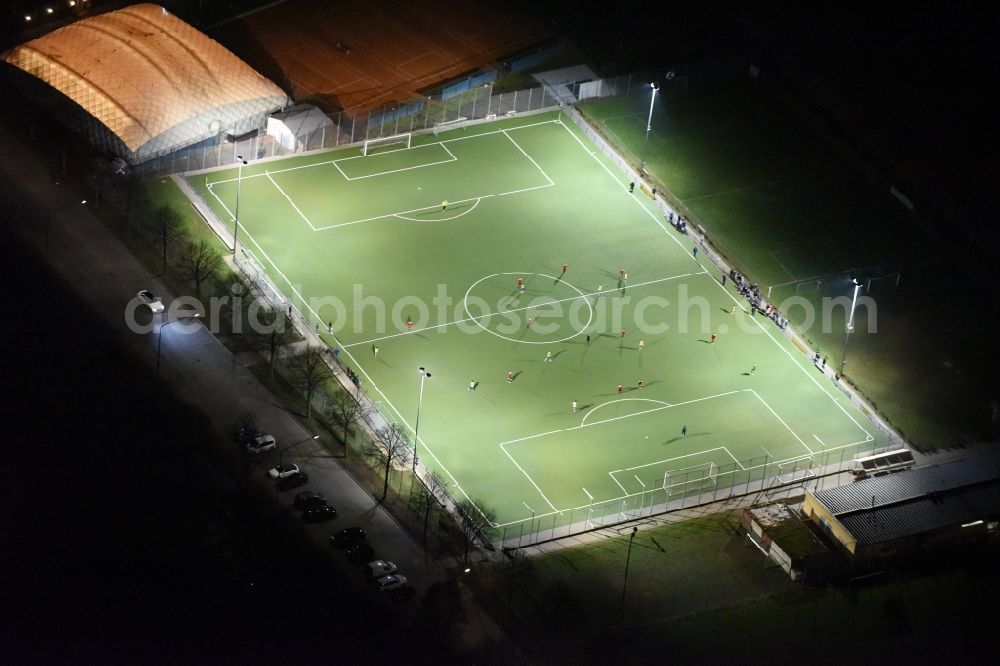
670	75
653	85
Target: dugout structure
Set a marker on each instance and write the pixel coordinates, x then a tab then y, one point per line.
141	83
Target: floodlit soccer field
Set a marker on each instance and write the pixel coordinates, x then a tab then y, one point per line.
364	243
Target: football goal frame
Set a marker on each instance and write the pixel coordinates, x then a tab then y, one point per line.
404	138
683	481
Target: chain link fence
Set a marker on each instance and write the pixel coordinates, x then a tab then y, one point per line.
737	479
755	478
344	128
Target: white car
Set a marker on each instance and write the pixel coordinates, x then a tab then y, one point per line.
394	582
150	301
281	471
380	568
261	444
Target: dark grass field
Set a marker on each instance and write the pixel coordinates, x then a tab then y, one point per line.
787	207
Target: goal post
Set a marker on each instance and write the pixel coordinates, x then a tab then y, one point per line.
446	125
698	477
396	139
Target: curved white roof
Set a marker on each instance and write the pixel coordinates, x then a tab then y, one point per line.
156	82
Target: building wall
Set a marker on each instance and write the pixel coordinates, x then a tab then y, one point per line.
828	523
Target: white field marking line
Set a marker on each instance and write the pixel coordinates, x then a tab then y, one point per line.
667	460
399	170
368	378
356	157
770	409
530	480
655	409
641	204
530	158
767	453
337	167
627	494
821	442
442	219
232	218
804	456
798	365
527	507
417	210
583	420
527	307
301	214
616	481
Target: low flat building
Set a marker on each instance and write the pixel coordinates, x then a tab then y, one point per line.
875	519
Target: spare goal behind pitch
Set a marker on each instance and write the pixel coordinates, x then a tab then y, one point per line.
395	139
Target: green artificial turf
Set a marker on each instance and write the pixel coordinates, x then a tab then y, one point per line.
362	244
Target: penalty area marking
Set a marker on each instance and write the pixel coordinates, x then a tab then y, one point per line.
475	201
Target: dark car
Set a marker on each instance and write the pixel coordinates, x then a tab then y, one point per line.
309	500
247	434
296	480
319	514
348	537
361	552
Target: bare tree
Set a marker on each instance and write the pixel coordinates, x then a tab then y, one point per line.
476	520
137	203
200	262
429	494
310	371
349	411
268	334
387	446
167	228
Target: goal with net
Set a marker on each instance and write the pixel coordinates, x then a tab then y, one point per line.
688	479
450	124
383	141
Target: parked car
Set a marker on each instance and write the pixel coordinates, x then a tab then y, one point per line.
360	552
319	514
150	301
348	537
309	500
282	471
293	481
387	583
246	434
380	568
261	443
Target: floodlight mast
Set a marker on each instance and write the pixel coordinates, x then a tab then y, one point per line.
850	324
649	125
239	182
416	427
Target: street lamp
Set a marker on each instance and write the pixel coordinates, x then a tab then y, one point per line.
239	182
159	335
628	558
416	427
850	324
292	446
48	222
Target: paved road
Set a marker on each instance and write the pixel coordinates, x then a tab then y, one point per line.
202	371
